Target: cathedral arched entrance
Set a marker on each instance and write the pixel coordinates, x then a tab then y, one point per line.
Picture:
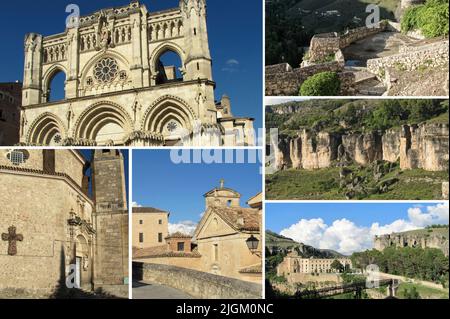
171	117
104	124
46	130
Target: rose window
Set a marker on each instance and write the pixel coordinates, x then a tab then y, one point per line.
57	139
172	126
106	70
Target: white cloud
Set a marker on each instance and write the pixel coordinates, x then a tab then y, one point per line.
135	204
434	215
185	227
231	62
346	237
231	65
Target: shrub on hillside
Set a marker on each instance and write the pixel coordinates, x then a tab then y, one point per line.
321	84
431	18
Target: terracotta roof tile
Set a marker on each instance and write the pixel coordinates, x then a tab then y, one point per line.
254	269
162	251
148	210
179	235
240	218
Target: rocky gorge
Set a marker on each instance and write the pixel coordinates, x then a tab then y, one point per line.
415	146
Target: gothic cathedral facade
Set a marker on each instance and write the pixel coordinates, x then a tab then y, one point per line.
117	90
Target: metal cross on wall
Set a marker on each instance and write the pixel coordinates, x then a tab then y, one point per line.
12	238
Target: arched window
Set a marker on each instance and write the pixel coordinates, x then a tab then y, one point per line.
169	68
56	90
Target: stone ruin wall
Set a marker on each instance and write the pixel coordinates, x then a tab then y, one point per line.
283	80
324	45
415	146
411	59
405	240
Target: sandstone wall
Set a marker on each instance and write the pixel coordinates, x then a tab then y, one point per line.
39	268
197	284
415	146
411	59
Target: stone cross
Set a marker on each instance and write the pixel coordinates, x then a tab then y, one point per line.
11	237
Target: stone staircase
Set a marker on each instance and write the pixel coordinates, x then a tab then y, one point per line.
366	83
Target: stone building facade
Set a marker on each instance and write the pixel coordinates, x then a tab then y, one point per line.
49	224
221	243
295	264
150	227
10	103
117	90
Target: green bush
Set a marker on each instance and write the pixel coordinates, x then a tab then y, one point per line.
431	18
321	84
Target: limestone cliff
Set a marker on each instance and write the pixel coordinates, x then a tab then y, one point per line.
414	146
423	238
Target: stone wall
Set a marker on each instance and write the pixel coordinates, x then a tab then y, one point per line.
325	45
411	59
195	283
38	270
282	80
415	146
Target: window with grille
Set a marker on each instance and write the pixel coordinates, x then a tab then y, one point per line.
17	157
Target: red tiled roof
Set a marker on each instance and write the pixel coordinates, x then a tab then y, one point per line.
238	217
162	251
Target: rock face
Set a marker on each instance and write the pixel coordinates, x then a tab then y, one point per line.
363	148
424	147
415	146
391	145
434	238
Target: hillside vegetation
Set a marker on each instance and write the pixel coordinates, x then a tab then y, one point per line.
356	116
431	18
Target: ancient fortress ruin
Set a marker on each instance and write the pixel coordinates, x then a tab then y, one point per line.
377	73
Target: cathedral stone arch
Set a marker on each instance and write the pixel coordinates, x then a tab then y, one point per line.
167	115
47	129
161	50
49	75
104	122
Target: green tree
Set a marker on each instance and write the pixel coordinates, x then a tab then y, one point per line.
321	84
337	265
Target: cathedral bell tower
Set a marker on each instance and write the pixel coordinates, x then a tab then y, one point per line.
198	61
111	218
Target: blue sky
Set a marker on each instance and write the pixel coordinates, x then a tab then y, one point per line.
350	227
88	156
179	188
235	34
